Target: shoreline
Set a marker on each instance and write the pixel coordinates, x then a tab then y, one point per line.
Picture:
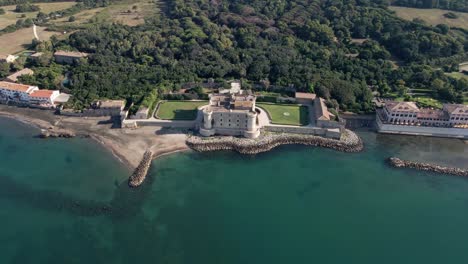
127	146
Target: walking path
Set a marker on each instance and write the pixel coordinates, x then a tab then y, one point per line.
35	31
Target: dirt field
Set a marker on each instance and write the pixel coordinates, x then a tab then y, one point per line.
432	16
11	17
17	41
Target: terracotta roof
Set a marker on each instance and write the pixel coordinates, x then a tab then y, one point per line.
42	93
15	86
321	110
402	106
75	54
14	76
305	96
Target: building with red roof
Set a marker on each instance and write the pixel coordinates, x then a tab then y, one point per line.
44	97
16	91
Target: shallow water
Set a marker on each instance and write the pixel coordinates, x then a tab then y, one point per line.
66	201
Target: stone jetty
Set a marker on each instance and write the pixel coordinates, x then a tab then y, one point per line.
399	163
55	132
349	142
141	171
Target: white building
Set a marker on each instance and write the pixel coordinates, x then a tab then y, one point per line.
8	58
16	92
44	97
407	113
230	115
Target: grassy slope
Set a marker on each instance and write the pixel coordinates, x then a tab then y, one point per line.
179	110
113	13
432	16
11	17
17	41
287	114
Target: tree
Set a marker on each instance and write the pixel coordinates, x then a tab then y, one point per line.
26	7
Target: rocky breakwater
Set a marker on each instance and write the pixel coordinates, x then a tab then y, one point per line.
398	163
55	132
141	171
349	142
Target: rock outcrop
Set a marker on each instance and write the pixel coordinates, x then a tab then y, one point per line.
56	133
349	142
141	171
398	163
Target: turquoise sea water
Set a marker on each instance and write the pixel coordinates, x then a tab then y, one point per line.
66	201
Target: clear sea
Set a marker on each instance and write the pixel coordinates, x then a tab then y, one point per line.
67	201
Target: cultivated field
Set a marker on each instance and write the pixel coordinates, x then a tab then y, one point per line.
179	110
19	40
11	17
287	114
432	16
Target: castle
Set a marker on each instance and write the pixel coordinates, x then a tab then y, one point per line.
230	114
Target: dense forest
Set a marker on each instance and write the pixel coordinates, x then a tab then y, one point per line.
455	5
307	45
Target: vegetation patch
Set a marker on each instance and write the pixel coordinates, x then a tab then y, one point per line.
179	110
458	75
296	115
428	102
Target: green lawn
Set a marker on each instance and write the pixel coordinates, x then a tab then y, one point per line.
296	115
457	75
179	110
428	102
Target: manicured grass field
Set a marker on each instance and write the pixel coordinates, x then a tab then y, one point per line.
179	110
432	16
296	115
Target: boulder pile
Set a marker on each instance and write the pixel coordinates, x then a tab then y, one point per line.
141	171
349	142
399	163
54	132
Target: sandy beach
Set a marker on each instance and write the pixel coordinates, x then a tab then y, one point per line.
127	145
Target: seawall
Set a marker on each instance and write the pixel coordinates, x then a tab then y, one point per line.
349	142
399	163
139	175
